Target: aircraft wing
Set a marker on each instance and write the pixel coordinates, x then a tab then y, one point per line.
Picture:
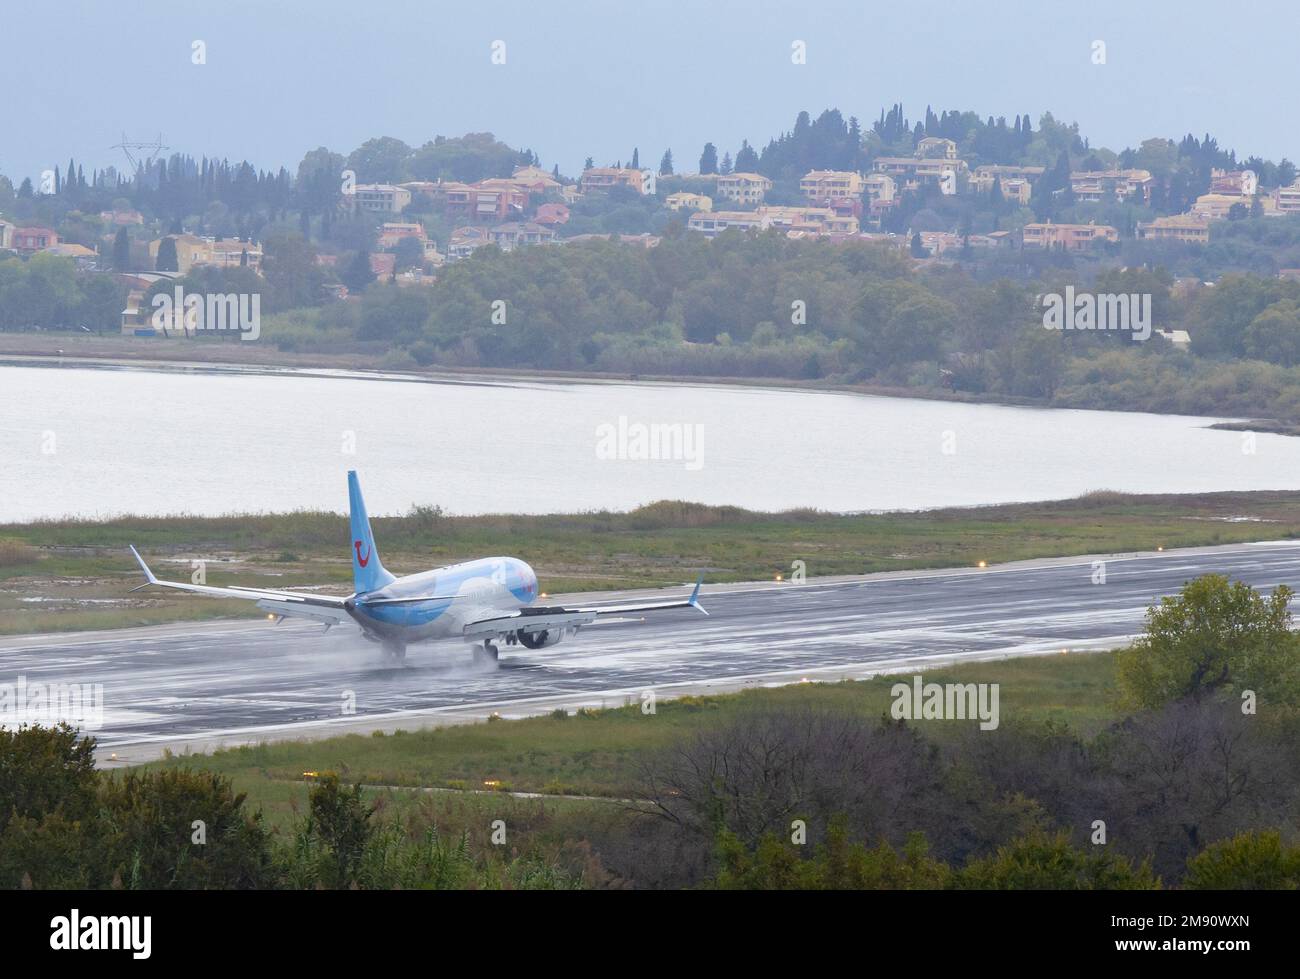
692	602
322	608
539	618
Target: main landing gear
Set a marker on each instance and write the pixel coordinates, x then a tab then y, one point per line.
486	652
395	652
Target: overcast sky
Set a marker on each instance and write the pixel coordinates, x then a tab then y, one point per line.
584	78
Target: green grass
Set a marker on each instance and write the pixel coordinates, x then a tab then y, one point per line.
597	753
85	568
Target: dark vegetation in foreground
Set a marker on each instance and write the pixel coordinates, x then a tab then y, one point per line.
1192	781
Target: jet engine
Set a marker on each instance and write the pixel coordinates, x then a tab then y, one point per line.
539	639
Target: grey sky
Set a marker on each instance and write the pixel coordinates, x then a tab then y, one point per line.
587	78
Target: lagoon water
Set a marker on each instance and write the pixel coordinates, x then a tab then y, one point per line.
96	442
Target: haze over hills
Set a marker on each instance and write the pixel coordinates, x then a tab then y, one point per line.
594	79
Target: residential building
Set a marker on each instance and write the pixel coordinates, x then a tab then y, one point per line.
915	172
603	178
982	179
936	147
1242	183
1286	200
1215	207
713	223
552	215
1016	187
878	187
516	234
1191	228
428	187
743	188
808	220
390	233
385	198
487	200
819	220
823	185
535	180
645	239
231	252
938	242
1017	190
383	265
6	234
135	321
121	218
86	258
1069	237
686	201
191	250
463	241
1102	185
137	318
1181	339
27	241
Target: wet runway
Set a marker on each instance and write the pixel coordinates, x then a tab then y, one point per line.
203	685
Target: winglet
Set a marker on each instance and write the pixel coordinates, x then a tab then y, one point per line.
151	580
695	595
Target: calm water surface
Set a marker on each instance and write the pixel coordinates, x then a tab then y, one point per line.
86	441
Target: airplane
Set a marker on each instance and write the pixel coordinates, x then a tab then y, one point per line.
480	602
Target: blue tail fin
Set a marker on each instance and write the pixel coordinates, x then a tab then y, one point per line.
368	573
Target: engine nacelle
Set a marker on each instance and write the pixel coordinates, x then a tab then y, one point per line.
537	640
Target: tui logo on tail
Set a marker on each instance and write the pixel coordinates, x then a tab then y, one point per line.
363	561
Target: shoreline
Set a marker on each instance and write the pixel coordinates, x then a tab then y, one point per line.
51	350
125	352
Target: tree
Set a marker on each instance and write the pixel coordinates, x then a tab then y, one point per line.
709	159
474	156
291	272
1213	636
1251	861
836	864
122	250
636	159
666	164
408	254
148	838
725	166
358	274
45	770
1041	862
746	158
167	260
380	161
1274	335
341	822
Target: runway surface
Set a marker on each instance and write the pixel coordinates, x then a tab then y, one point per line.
200	686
